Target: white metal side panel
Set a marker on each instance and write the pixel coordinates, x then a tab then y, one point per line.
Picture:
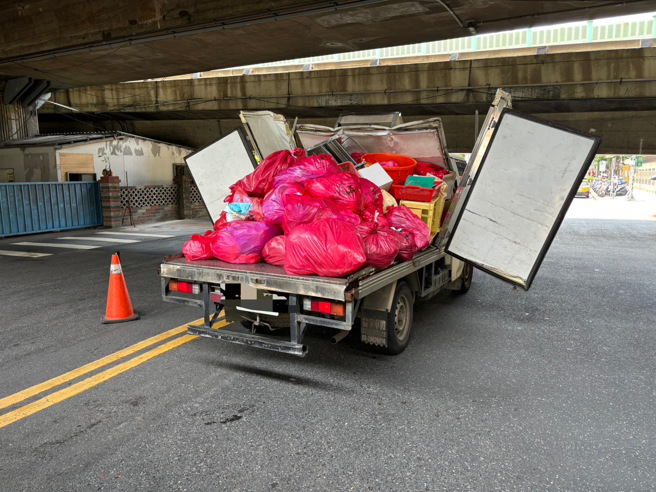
269	131
520	195
218	166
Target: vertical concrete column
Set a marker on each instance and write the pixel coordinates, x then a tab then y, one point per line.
110	192
184	196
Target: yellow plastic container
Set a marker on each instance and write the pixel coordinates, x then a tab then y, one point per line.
429	212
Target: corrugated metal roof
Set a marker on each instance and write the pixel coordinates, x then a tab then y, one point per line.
63	139
55	140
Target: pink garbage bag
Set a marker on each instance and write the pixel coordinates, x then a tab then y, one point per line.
307	168
242	241
377	217
303	209
273	207
342	188
274	251
221	222
199	247
259	182
402	218
381	244
408	247
373	200
327	247
428	169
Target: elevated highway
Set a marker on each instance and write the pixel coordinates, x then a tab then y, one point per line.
609	91
76	43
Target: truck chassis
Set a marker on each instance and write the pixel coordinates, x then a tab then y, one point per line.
379	302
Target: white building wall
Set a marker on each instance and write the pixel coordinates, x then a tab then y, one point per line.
145	162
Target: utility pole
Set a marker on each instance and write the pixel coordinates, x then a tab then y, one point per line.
629	195
612	177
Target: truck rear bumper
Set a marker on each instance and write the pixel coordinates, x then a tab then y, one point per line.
251	340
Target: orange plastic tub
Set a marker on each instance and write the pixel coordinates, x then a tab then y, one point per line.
398	174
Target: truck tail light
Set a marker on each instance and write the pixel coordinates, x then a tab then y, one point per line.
184	287
324	307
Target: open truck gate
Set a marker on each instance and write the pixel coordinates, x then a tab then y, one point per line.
504	213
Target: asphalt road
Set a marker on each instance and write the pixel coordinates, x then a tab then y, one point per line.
500	389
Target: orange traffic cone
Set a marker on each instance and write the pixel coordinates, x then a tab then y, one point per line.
119	307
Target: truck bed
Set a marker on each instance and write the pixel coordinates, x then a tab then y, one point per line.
274	278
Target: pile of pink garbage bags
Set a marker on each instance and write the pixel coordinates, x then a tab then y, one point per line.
307	215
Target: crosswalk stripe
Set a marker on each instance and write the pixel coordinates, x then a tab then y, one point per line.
27	254
105	239
134	234
60	245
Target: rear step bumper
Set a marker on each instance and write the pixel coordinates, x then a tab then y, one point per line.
251	340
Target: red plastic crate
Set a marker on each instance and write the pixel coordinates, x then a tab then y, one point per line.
415	193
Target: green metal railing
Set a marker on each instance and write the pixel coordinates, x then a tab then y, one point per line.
584	32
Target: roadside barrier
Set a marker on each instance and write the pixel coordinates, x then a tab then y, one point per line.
119	307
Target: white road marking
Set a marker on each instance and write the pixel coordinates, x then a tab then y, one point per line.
60	245
105	239
134	234
4	252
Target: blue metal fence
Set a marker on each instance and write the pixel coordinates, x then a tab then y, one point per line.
27	208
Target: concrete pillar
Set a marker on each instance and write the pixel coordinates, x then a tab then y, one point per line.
17	121
110	193
184	196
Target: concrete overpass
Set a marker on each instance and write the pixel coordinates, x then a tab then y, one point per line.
611	91
75	43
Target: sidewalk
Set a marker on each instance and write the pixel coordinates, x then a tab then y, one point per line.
177	227
644	196
642	207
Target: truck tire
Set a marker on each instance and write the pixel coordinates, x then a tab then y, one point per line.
467	275
399	320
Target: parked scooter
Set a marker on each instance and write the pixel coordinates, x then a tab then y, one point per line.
622	190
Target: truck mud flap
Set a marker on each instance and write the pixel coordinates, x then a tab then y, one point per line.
251	340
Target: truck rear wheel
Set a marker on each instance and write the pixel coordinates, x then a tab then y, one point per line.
399	321
466	277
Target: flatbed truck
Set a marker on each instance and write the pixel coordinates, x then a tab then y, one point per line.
503	213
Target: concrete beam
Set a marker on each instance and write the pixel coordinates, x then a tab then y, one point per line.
596	89
560	82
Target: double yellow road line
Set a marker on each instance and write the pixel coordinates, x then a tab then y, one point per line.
96	379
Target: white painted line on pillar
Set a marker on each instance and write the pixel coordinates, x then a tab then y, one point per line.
134	234
104	239
26	254
60	245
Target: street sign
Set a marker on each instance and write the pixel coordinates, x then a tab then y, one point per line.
639	160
